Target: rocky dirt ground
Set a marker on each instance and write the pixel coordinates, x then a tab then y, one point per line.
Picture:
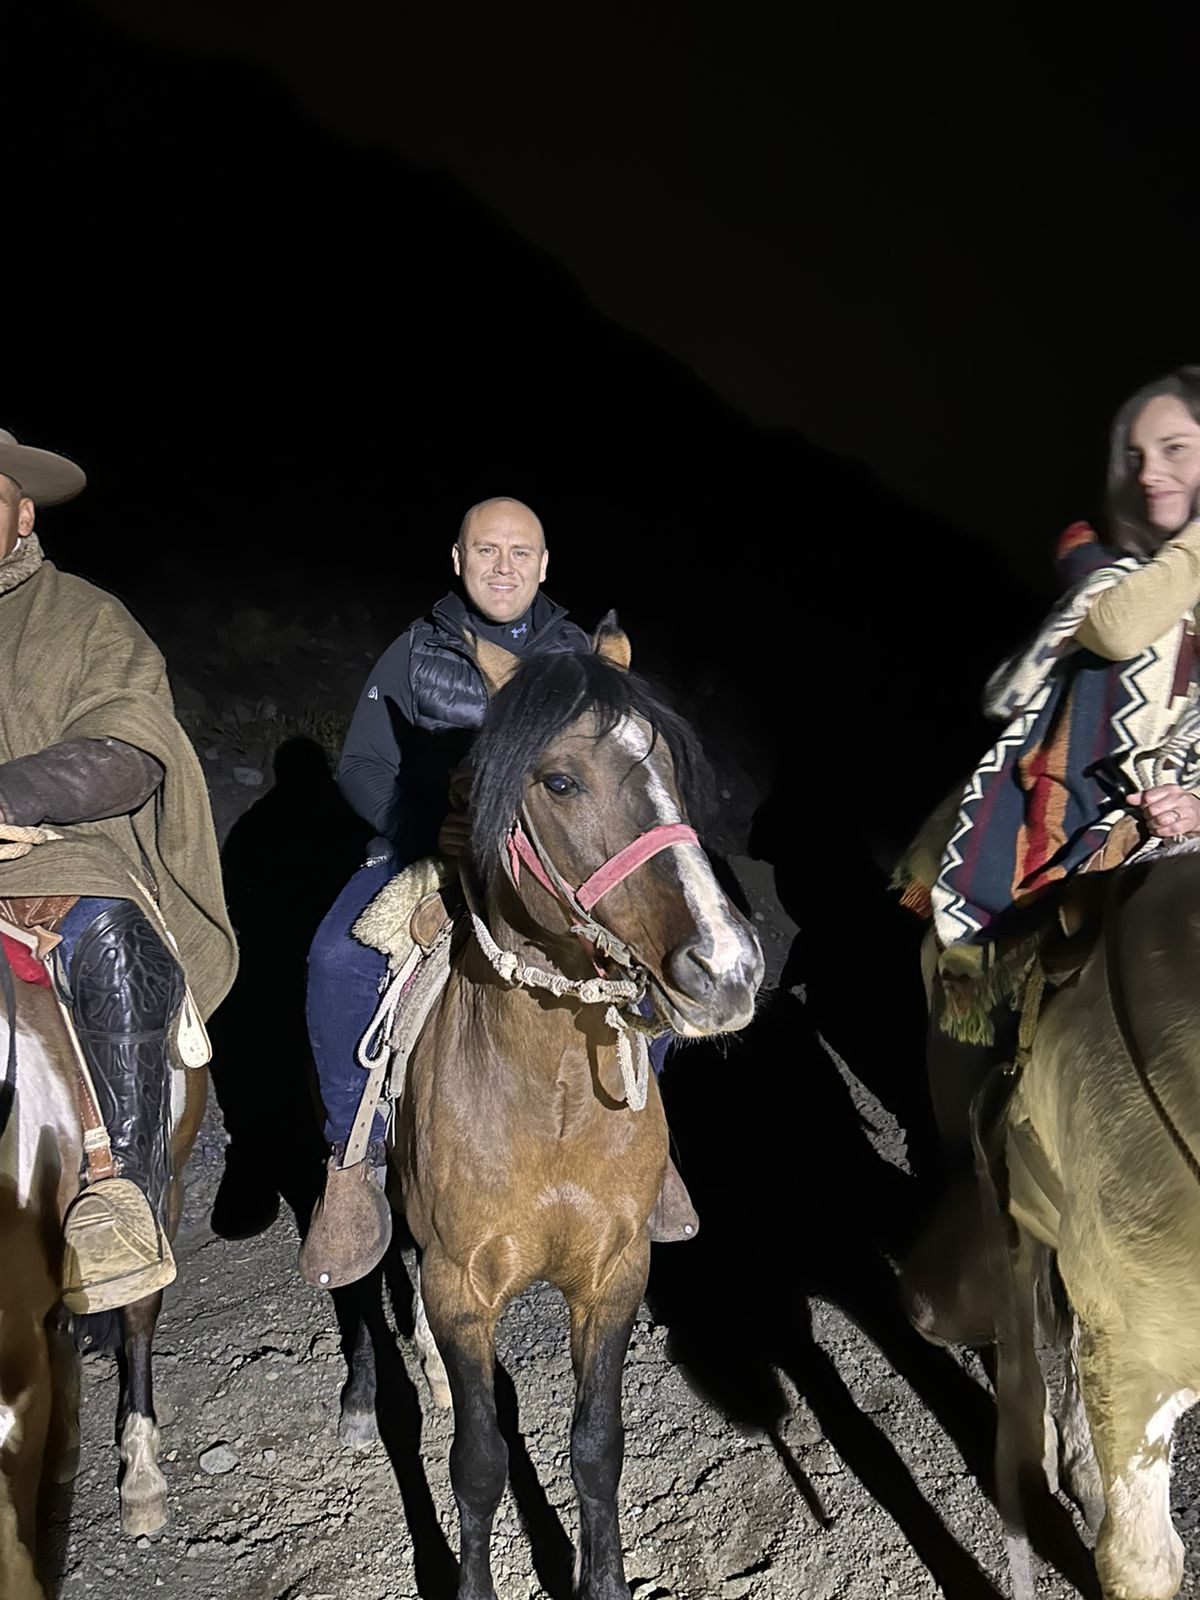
786	1435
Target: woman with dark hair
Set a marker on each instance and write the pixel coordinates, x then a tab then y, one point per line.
1098	710
1154	462
1098	761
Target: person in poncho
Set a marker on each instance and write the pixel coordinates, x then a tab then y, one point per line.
1099	757
110	860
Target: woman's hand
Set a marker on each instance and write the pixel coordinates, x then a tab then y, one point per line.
1169	811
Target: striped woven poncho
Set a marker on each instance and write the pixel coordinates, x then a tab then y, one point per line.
1079	731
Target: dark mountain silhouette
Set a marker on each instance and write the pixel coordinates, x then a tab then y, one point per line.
289	363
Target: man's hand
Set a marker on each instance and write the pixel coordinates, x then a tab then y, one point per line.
460	787
454	836
1169	811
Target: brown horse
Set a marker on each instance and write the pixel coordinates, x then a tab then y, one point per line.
1103	1156
519	1153
40	1162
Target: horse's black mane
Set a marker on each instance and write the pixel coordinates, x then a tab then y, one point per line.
543	697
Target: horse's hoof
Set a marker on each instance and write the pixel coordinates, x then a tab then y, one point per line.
358	1429
142	1518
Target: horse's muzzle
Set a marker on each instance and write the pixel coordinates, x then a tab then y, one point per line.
710	989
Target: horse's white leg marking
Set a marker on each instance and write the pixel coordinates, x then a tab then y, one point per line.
143	1487
431	1360
1139	1555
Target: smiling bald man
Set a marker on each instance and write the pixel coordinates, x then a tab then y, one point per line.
411	732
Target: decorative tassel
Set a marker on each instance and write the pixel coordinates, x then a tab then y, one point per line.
917	897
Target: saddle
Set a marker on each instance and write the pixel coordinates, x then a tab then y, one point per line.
412	921
29	928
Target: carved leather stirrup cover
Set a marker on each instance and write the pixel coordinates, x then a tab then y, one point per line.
114	1251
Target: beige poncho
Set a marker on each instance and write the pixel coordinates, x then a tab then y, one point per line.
75	665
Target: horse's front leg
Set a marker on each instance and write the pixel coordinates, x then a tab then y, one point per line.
143	1487
359	1310
1133	1412
600	1329
62	1440
464	1328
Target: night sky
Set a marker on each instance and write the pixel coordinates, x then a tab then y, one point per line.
802	338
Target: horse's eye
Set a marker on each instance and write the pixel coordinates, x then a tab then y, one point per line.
559	783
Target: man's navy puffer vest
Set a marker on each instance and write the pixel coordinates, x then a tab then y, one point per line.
447	688
449	701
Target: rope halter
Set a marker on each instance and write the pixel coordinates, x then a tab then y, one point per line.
620	996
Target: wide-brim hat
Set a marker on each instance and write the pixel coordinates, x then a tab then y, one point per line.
45	478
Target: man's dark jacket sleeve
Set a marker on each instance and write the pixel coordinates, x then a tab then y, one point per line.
78	780
370	764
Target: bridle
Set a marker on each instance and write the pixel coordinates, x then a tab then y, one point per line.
524	847
622	996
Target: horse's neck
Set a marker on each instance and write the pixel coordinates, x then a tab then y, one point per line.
553	950
543	1038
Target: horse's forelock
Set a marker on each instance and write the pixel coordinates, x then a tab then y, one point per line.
540	701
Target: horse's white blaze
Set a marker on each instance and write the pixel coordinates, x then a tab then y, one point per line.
732	948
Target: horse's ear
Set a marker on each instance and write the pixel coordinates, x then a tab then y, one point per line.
496	665
612	643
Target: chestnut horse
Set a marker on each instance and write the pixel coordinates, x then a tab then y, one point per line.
519	1152
41	1153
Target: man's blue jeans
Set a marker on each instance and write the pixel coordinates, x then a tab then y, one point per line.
344	983
80	917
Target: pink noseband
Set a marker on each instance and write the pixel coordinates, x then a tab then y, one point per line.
614	871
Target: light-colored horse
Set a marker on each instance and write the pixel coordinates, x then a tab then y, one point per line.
1104	1169
40	1160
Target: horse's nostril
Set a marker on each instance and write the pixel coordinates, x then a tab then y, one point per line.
689	969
